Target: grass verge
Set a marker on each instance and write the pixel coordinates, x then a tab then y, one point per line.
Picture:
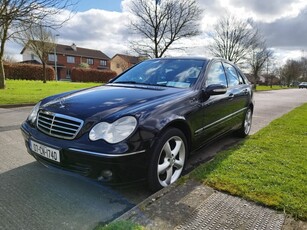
24	92
269	167
266	88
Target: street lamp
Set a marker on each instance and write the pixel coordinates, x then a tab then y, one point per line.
55	60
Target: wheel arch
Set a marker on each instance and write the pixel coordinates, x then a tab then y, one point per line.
251	105
182	125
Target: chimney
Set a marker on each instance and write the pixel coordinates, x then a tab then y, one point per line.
74	47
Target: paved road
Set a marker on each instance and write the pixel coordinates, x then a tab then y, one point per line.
34	197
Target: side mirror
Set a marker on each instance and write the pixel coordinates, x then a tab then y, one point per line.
215	89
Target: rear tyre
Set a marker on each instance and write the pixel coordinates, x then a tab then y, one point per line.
168	159
247	124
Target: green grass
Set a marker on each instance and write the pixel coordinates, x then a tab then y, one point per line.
24	92
274	87
121	225
270	167
30	92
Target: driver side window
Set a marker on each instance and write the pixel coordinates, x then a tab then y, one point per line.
216	75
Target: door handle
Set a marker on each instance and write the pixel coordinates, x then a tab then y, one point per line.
244	91
231	96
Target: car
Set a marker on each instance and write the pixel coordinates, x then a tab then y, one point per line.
302	85
143	124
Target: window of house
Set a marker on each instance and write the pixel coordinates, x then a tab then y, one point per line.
117	65
32	57
90	61
216	75
70	59
103	62
68	74
51	57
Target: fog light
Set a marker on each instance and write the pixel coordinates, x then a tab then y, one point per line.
106	175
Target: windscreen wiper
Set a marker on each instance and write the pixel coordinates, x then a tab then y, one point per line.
126	82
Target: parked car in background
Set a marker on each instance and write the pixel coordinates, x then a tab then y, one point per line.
143	124
302	85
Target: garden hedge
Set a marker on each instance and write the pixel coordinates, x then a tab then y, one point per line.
91	75
21	71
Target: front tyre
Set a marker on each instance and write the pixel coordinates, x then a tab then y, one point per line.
168	159
247	124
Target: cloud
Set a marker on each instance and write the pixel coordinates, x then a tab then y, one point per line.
259	10
272	7
282	22
13	49
97	29
287	32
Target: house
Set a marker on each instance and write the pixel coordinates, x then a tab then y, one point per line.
120	62
65	57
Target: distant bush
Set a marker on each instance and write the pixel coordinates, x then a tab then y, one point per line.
18	71
91	75
84	65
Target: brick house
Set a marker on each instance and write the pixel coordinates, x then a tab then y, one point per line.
120	62
68	57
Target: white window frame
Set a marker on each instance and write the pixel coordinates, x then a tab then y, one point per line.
90	61
103	62
52	57
70	59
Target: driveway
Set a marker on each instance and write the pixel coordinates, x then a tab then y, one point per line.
35	197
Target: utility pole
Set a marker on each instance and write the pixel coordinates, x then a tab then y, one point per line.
55	60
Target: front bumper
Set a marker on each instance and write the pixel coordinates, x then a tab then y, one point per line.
127	162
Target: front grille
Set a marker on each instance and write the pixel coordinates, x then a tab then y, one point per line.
58	125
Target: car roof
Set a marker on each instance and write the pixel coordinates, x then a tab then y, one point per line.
183	58
207	59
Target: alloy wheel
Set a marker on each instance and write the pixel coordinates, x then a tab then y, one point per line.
171	161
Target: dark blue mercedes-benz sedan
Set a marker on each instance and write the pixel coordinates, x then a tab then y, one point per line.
144	123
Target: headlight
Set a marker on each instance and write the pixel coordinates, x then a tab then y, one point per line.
33	114
115	132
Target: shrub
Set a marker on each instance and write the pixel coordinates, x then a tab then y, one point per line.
18	71
91	75
84	65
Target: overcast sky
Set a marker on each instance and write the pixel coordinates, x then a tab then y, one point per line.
103	25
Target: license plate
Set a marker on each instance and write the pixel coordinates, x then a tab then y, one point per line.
45	151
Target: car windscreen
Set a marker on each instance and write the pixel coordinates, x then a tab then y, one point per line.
180	73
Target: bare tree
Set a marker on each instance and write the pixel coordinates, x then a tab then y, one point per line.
233	39
27	12
271	72
159	24
259	56
304	68
40	41
290	72
124	66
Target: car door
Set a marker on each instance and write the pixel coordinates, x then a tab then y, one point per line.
215	108
238	93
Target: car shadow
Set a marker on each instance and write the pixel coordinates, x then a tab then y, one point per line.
207	152
35	197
